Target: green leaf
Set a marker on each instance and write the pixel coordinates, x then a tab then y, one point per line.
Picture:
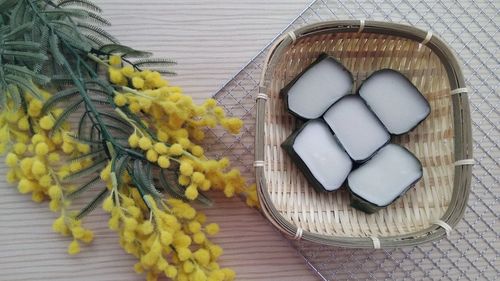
35	57
24	45
142	173
83	188
56	13
98	19
94	167
55	51
24	84
3	97
93	204
63	95
90	154
87	5
64	116
24	71
124	50
120	165
15	96
98	32
154	62
18	30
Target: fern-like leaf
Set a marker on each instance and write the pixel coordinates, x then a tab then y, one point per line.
93	204
90	154
94	167
124	50
15	97
24	84
85	4
97	31
16	32
83	188
21	45
120	165
60	96
64	116
25	72
153	62
27	56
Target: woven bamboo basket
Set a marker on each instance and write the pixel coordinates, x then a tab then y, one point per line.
443	142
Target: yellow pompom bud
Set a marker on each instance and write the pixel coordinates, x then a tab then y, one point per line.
229	274
36	138
146	228
160	147
41	149
184	180
197	151
24	186
133	140
78	232
115	76
163	162
188	266
67	147
205	185
19	148
199	238
130	224
120	100
145	143
197	178
151	155
26	165
219	112
186	168
138	82
212	229
83	147
23	124
215	251
128	70
53	158
88	236
176	149
171	271
45	181
38	168
74	248
59	226
194	226
35	107
115	60
166	238
183	254
108	204
191	192
55	192
47	122
162	136
11	176
202	256
11	160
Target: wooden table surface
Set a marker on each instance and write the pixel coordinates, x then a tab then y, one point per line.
210	40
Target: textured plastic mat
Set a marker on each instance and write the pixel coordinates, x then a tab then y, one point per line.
472	250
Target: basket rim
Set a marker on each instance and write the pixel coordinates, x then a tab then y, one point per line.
461	124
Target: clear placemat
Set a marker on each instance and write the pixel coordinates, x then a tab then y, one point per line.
472	250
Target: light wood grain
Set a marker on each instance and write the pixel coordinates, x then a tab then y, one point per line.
211	40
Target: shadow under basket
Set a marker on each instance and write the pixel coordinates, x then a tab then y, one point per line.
443	142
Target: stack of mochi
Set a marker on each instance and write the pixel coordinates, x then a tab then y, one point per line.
346	137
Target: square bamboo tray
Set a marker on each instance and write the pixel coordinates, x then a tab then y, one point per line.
443	142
